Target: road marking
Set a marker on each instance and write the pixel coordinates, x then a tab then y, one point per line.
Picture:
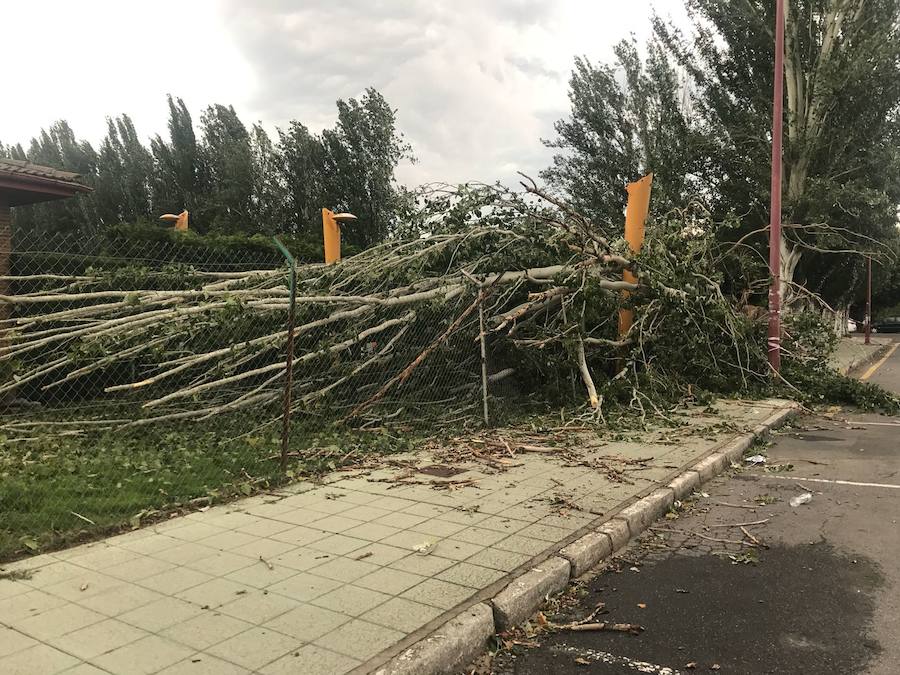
871	371
837	482
598	656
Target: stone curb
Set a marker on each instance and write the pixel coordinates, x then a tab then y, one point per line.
450	648
462	638
524	595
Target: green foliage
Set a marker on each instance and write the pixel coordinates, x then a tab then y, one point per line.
231	180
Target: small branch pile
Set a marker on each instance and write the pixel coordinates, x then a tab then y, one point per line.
394	328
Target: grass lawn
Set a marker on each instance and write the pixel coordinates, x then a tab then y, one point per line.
56	490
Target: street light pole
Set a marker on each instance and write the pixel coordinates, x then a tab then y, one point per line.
869	304
774	341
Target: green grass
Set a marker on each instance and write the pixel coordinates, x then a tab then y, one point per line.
51	486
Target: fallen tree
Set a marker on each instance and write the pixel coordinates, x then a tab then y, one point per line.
396	328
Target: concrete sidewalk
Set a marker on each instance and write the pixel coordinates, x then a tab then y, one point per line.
852	352
343	575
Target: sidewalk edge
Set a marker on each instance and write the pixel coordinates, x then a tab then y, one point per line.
455	643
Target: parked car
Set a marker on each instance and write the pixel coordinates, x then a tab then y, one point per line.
889	324
852	326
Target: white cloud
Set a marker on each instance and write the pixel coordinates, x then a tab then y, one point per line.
476	84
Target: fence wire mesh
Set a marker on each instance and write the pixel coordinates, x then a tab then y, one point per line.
142	377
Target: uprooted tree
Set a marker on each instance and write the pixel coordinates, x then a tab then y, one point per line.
395	329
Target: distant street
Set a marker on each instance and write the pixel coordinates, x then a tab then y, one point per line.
823	596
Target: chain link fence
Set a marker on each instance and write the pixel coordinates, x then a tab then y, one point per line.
139	378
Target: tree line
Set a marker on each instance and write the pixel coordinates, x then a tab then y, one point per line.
695	108
233	180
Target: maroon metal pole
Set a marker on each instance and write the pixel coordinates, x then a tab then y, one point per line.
869	305
774	342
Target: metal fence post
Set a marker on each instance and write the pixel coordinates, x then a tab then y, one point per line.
289	359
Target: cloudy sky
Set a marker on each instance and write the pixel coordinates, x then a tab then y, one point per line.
477	83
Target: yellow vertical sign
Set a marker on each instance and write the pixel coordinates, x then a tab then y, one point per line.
635	220
332	236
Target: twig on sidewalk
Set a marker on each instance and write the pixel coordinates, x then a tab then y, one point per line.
750	536
741	525
702	536
735	506
632	628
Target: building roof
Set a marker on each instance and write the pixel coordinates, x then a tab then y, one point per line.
22	182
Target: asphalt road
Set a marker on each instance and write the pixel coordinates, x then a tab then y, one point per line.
821	596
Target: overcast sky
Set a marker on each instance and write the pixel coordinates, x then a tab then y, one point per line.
477	83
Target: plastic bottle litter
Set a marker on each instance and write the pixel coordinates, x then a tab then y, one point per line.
755	459
805	498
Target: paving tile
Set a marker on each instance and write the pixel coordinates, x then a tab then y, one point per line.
427	510
504	524
84	585
438	593
228	541
58	621
299	535
545	532
101	557
304	586
41	659
260	576
426	565
519	544
48	575
195	532
302	559
402	614
371	531
499	559
359	639
184	553
463	517
204	664
84	669
175	580
12	641
147	655
391	503
467	574
258	607
344	569
297	516
265	527
11	587
379	554
221	563
456	550
212	594
365	513
160	614
410	540
329	506
98	638
24	605
205	630
569	522
121	599
138	568
438	527
351	600
254	648
149	545
326	662
266	548
338	544
479	535
335	523
391	581
307	622
401	520
231	520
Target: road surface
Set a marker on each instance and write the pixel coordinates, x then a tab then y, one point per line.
823	596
